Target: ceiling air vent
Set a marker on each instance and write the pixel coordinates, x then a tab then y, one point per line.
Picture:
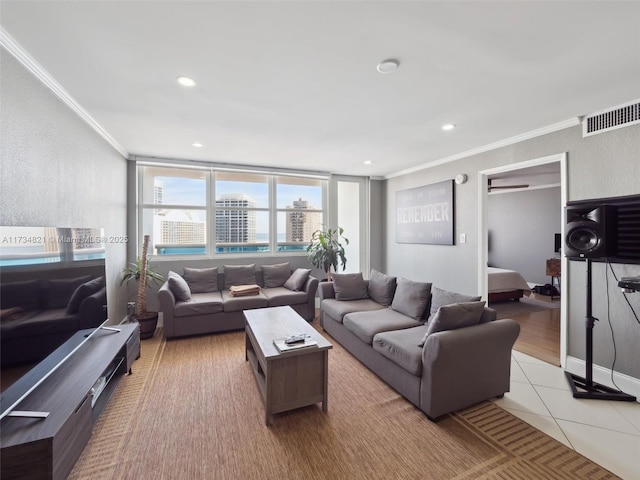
616	117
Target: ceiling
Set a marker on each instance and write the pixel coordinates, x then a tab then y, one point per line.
294	84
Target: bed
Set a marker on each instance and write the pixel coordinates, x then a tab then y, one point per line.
505	285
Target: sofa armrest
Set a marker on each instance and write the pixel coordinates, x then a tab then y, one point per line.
466	366
311	287
167	306
92	310
488	315
325	290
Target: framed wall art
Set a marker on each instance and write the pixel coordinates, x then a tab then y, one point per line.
425	214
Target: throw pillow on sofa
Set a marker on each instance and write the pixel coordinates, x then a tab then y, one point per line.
441	297
58	292
179	287
275	275
298	279
349	286
381	287
201	280
411	298
82	292
456	315
239	275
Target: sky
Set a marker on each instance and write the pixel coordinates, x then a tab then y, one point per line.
192	191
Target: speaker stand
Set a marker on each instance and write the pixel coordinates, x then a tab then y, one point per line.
588	388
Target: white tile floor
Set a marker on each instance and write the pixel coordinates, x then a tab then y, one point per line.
607	432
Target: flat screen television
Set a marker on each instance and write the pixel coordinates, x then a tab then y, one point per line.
557	243
52	284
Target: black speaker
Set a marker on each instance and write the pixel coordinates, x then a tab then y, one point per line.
590	231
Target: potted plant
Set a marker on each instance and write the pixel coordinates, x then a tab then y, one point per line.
325	250
142	273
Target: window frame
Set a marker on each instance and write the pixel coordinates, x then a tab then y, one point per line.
210	208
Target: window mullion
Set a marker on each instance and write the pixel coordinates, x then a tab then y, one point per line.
211	213
273	215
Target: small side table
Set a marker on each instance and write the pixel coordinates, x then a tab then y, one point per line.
553	270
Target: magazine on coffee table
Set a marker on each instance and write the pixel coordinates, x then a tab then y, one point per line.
282	346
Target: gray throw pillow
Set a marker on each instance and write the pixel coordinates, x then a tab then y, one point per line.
411	298
456	315
239	275
179	287
201	280
275	275
82	292
441	297
298	279
381	287
349	286
58	292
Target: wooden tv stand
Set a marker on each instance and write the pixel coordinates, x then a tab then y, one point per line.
48	448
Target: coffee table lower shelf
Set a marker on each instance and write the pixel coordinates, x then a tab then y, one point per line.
286	380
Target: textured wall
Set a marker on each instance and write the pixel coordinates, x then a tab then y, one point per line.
603	165
56	171
537	213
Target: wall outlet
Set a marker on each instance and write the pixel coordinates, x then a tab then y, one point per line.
463	238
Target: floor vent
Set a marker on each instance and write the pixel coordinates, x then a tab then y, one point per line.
616	117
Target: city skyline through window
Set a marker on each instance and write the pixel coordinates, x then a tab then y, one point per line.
241	204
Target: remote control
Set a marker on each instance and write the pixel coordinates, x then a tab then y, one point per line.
295	339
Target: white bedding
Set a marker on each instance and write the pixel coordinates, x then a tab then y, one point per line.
501	280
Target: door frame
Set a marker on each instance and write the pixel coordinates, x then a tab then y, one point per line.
483	252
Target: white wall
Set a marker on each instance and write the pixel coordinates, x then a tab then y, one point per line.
56	171
522	226
603	165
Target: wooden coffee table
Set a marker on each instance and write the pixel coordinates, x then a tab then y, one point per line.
290	379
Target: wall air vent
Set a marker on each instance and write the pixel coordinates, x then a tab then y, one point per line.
616	117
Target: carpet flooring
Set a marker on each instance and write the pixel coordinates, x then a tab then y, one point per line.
191	410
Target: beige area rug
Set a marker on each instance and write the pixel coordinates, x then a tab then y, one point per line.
511	308
192	410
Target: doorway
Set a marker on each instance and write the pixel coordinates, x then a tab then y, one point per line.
523	176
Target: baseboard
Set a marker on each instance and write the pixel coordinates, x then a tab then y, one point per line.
602	376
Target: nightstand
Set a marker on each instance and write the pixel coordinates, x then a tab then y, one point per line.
553	270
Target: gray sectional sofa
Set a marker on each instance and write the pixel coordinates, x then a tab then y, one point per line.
442	351
199	300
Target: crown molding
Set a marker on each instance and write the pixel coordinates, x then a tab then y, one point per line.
572	122
15	49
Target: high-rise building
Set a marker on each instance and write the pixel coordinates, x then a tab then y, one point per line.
177	227
302	221
234	223
158	189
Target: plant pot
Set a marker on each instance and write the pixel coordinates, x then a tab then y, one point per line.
148	324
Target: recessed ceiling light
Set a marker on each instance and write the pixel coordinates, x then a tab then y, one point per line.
388	66
448	126
197	145
367	162
186	81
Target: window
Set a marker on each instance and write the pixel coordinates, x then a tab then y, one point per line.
299	211
204	211
242	212
174	210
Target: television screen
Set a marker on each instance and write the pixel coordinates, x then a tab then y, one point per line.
557	243
52	284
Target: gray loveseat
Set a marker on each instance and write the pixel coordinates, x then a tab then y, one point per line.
37	316
383	322
199	301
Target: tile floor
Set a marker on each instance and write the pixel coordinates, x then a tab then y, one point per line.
607	432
